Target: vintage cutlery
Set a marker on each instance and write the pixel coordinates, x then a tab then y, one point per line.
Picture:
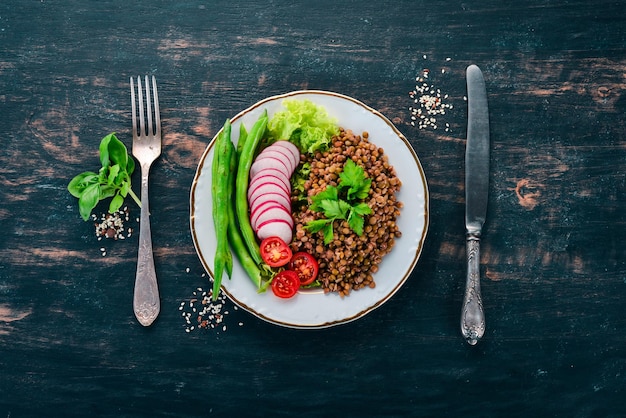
476	193
146	148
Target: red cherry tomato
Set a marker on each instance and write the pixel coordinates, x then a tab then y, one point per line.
306	266
275	252
285	284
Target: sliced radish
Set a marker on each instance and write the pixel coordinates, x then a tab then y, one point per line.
293	150
280	153
270	161
270	212
261	198
260	181
266	188
256	211
275	228
272	172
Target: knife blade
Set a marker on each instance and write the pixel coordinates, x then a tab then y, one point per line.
476	197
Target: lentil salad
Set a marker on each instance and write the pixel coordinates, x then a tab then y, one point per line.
349	261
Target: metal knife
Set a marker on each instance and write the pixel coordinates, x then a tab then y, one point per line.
476	194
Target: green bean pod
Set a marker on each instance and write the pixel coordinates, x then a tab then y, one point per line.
222	177
234	234
241	187
243	135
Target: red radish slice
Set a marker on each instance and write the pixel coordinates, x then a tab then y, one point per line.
270	212
293	150
281	153
275	228
261	178
256	211
272	172
261	198
259	181
270	161
266	188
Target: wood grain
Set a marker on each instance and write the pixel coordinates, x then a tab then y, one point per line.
552	252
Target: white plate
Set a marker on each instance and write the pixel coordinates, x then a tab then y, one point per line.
316	309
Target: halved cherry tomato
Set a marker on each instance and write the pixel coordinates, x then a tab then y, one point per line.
275	252
285	284
306	266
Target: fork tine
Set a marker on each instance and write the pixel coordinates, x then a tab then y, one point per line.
157	112
142	119
133	107
150	128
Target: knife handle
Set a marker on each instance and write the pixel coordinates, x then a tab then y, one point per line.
473	315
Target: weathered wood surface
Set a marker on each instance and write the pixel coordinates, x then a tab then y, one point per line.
553	253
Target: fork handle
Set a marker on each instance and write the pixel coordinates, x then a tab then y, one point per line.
146	303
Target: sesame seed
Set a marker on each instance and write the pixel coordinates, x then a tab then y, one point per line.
430	102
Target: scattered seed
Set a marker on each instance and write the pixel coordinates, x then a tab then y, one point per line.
111	226
206	313
428	101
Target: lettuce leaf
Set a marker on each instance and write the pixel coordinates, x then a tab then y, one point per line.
305	124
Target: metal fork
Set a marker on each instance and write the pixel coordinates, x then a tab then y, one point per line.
146	148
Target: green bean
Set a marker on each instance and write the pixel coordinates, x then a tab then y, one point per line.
221	198
241	187
234	234
243	135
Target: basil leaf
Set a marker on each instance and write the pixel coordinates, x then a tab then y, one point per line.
116	203
130	166
88	200
114	170
112	180
117	152
78	184
104	150
106	191
124	188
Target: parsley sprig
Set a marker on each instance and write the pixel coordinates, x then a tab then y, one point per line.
342	202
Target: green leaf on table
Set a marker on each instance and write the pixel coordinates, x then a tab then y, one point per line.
116	203
118	152
112	179
88	200
80	182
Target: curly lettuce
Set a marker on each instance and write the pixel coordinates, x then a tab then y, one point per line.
305	124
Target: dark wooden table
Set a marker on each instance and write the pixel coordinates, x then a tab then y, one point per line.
553	248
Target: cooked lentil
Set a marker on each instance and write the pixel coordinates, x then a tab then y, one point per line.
349	261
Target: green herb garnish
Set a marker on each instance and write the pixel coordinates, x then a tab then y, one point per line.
112	180
342	202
